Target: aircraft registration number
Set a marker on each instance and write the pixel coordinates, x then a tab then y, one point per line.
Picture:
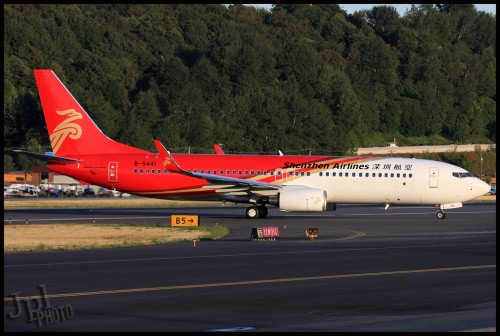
144	163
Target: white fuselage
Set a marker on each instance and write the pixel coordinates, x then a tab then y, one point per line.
395	181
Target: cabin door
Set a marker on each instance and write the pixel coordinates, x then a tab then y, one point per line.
433	177
113	172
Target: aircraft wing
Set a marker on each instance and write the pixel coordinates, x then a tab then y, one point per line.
223	184
51	159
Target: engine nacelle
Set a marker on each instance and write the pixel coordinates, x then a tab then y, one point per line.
303	199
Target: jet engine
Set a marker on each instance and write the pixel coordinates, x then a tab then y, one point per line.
301	199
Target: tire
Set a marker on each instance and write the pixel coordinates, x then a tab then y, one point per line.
262	211
252	212
440	215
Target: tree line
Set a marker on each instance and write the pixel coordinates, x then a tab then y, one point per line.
298	78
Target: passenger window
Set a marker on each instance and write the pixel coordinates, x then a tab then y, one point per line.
386	175
367	175
301	173
409	175
320	173
147	171
246	172
340	174
164	171
135	171
392	174
251	172
398	175
239	172
379	174
334	174
308	173
271	172
234	172
327	173
360	175
140	171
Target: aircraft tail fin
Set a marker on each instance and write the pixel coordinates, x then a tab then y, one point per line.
71	130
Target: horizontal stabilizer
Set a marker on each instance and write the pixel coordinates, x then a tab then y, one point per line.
51	159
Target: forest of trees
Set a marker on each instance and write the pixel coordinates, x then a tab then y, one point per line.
297	78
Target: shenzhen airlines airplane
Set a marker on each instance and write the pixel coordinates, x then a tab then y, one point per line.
290	182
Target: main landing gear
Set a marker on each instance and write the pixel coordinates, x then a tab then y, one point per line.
256	211
440	214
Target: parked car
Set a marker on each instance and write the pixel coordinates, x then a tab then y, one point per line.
105	192
73	191
88	192
493	190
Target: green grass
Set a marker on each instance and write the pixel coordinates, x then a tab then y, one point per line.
211	232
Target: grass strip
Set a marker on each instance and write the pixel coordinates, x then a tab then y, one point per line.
58	237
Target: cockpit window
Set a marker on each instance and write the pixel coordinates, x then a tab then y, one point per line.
462	175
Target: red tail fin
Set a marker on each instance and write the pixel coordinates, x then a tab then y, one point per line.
70	128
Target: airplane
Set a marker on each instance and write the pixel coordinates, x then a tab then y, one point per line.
293	183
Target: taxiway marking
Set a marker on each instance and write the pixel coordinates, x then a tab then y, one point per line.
253	282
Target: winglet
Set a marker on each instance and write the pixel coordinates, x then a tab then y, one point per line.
218	149
168	161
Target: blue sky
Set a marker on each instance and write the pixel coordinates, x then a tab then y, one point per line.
351	8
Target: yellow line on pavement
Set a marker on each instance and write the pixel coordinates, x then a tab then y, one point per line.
254	282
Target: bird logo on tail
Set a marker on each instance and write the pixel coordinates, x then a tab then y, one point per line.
66	128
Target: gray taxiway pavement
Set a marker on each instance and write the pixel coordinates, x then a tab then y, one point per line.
369	270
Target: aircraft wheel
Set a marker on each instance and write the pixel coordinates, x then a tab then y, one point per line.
262	211
440	215
252	212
